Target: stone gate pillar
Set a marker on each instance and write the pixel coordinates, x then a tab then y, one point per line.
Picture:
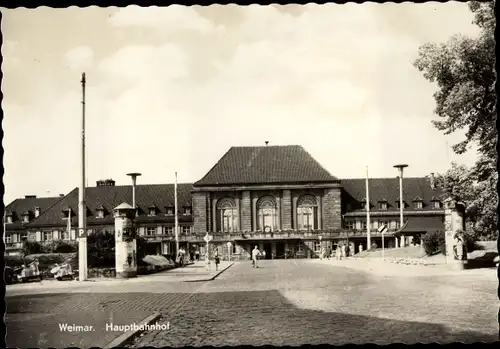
456	253
125	242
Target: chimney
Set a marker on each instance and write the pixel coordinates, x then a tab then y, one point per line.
433	183
30	196
61	195
105	183
267	142
37	211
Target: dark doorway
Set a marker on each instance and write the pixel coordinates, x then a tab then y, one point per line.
268	250
280	249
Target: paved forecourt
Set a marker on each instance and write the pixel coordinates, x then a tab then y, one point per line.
80	314
294	302
283	302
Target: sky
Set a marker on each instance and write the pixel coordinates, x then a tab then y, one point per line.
172	89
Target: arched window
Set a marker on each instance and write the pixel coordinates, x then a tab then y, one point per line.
307	213
267	209
227	216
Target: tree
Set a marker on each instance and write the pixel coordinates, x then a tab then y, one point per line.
464	70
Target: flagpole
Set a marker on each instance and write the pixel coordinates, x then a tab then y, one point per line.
368	237
69	224
82	237
176	217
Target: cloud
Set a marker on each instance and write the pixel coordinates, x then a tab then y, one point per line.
169	18
335	78
148	63
79	58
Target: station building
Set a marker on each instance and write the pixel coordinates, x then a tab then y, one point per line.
278	198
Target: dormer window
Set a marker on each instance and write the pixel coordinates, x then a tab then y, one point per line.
398	203
100	212
9	218
187	210
37	211
152	210
26	217
363	204
170	210
435	202
67	212
382	204
418	203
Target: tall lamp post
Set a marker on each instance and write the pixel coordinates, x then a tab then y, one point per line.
401	204
320	247
134	185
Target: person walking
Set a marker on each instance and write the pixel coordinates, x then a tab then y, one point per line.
255	254
197	255
217	260
343	252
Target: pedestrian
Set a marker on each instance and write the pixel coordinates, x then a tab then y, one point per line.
217	260
207	261
255	253
337	252
191	256
343	252
263	254
197	255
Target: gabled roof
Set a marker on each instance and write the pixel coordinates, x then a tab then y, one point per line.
109	197
20	206
354	190
266	165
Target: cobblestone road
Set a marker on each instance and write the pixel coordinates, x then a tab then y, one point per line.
34	320
300	302
288	302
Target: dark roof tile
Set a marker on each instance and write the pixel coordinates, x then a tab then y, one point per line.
354	191
110	197
266	165
20	206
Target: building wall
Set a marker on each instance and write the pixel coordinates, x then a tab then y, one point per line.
332	216
200	212
328	200
246	211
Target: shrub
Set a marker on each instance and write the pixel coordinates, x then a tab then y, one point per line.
100	249
141	251
60	246
471	241
13	261
32	247
66	247
433	242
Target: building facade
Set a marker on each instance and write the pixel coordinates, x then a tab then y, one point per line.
278	198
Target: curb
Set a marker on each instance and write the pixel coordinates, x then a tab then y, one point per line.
213	277
122	339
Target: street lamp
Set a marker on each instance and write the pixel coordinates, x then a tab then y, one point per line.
401	205
134	182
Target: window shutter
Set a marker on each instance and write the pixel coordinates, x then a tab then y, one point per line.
38	236
73	234
55	235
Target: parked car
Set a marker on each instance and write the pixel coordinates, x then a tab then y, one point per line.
9	276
